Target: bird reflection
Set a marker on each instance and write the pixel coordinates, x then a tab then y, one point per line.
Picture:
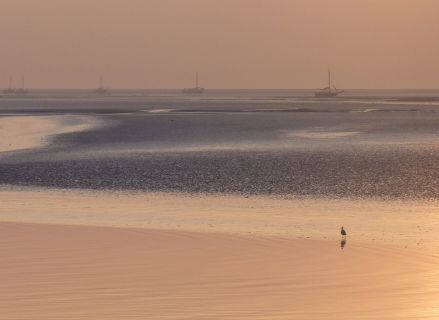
343	243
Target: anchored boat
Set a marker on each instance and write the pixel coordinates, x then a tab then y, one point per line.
196	89
330	91
101	90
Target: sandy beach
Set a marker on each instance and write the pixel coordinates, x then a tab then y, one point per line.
67	272
90	255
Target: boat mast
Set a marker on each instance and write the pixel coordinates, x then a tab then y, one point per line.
329	79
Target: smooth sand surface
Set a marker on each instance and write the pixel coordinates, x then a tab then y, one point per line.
25	132
79	272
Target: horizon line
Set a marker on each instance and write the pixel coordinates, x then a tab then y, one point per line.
224	89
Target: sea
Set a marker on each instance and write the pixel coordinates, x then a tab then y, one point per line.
380	144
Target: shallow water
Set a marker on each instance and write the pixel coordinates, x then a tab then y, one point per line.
405	224
367	144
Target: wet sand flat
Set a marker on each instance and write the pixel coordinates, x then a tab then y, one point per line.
68	272
26	132
405	224
170	256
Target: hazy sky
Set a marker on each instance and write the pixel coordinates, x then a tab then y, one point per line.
232	43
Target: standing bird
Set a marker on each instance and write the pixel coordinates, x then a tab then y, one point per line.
343	233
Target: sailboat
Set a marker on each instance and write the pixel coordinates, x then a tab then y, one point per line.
10	89
101	89
196	89
22	90
15	91
328	92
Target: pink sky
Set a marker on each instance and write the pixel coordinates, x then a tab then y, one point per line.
232	43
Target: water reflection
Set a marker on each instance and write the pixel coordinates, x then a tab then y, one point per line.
343	243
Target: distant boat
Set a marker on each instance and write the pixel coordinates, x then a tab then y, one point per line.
22	90
328	92
16	91
101	90
10	89
196	89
